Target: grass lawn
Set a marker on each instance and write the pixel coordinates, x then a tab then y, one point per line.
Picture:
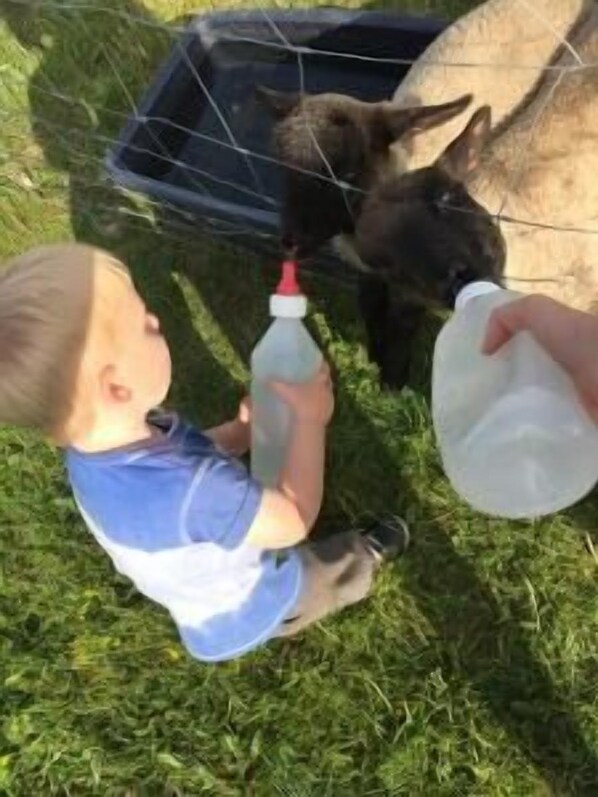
472	670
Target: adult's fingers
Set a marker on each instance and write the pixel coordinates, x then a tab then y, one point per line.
569	336
506	321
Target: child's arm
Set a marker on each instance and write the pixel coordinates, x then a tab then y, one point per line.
233	437
287	514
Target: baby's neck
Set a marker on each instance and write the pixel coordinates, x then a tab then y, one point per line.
116	434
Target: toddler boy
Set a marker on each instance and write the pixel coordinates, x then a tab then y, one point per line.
84	362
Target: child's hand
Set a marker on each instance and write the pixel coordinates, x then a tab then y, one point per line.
234	437
311	402
244	415
239	434
242	424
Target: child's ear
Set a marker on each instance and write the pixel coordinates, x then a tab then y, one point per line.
111	388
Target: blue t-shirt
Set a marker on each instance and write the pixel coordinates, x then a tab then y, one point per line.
173	513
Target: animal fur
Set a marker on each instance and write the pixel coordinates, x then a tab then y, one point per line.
538	165
537	172
497	52
540	168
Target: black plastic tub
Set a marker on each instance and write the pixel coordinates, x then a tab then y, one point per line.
201	141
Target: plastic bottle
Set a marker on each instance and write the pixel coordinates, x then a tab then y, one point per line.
286	353
514	437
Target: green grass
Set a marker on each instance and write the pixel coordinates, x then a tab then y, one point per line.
472	670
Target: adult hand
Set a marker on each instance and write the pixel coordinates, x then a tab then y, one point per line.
569	336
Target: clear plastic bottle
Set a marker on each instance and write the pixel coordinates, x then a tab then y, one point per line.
515	440
286	353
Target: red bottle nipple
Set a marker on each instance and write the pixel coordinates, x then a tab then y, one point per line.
288	285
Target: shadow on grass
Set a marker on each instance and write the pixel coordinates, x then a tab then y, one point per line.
477	643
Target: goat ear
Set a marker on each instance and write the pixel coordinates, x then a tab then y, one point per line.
399	122
279	103
462	157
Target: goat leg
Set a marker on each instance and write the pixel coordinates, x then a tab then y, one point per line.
391	326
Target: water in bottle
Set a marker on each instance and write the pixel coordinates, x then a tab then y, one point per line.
286	353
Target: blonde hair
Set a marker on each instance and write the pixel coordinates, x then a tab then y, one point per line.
46	298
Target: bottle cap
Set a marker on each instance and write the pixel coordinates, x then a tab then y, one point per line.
288	306
472	290
288	301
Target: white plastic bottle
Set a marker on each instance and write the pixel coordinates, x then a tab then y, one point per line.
514	437
286	353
